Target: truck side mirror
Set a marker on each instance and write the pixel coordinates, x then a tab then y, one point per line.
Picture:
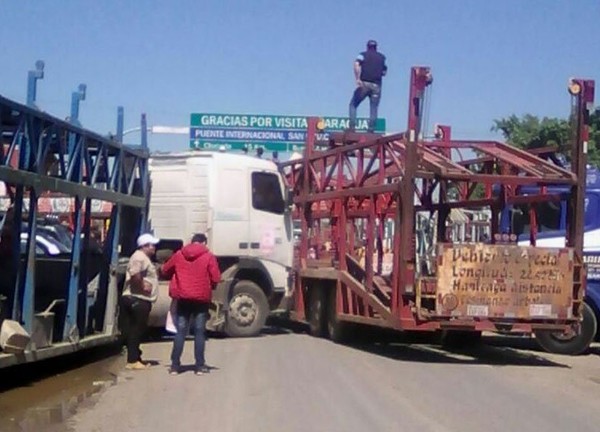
518	222
289	198
280	207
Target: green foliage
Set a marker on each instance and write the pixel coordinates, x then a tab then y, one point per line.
528	132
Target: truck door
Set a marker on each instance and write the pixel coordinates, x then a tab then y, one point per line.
271	233
228	221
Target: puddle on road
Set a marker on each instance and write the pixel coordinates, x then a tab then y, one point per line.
54	390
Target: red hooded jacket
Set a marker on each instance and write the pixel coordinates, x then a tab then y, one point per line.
193	271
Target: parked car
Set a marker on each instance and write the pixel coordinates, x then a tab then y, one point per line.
59	233
44	245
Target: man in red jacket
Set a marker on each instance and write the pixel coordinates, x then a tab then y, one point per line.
193	271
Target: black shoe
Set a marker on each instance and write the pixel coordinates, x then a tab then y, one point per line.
174	370
202	370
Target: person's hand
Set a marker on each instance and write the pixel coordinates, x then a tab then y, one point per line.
147	287
359	83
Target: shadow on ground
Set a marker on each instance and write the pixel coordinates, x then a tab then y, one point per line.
480	355
426	347
274	327
190	368
494	350
527	343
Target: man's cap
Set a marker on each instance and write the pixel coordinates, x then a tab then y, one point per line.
147	239
372	43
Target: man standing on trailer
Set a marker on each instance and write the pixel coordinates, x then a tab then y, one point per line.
369	69
194	272
140	291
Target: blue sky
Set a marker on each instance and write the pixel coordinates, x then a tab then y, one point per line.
171	58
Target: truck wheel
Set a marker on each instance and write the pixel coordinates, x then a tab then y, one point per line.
570	344
337	330
248	310
317	311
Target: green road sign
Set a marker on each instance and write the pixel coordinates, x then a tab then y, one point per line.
231	145
273	133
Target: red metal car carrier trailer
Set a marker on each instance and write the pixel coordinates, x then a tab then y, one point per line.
349	191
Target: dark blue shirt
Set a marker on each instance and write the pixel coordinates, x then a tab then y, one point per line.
372	66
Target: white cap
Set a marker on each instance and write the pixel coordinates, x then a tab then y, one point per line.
146	239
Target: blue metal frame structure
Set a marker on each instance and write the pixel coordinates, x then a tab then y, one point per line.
57	156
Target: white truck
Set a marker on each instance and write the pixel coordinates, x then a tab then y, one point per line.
241	203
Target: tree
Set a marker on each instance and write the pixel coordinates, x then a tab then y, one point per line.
529	132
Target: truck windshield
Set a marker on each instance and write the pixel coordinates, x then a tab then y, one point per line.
547	216
266	193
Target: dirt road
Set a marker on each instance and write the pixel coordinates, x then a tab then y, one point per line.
293	382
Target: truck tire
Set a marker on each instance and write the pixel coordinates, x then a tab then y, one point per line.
337	330
317	311
248	310
557	343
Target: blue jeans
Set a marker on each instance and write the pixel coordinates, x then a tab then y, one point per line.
190	312
373	91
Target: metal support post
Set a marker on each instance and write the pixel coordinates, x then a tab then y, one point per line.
112	294
23	306
144	132
70	331
582	92
144	170
76	97
18	267
420	79
120	123
32	78
83	305
29	273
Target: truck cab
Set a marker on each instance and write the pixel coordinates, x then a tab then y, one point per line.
240	203
551	222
